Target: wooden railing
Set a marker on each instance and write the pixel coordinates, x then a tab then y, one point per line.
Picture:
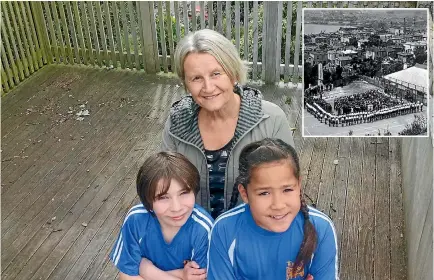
142	35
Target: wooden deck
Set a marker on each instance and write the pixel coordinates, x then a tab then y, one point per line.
67	184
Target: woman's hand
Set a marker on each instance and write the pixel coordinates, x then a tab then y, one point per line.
309	277
192	271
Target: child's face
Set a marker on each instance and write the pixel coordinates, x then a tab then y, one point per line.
173	208
273	195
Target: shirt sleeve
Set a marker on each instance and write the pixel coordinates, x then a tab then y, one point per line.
282	129
325	260
201	250
167	143
126	254
219	264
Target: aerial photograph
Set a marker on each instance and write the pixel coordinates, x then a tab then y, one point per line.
365	72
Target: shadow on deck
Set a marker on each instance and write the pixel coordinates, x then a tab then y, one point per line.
67	184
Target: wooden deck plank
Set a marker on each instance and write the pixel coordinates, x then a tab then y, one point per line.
339	194
315	170
79	174
365	245
53	208
398	263
52	151
382	196
351	220
55	123
12	100
326	185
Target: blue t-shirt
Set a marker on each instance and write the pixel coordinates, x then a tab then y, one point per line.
216	162
141	237
240	249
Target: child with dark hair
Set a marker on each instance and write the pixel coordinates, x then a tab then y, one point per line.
274	235
166	236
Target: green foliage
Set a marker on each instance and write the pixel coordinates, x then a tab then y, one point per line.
417	127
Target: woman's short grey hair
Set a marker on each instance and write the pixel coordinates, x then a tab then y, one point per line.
215	44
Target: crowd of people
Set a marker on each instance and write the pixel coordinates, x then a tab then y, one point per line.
362	101
363	116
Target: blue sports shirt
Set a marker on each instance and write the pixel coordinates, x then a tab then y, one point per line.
141	237
240	249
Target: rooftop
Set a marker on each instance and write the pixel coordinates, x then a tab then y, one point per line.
415	75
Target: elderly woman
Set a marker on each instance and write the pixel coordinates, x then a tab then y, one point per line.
219	117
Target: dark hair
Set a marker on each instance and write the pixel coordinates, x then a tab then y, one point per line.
266	151
165	166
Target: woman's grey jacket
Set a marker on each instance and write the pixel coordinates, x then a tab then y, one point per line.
258	119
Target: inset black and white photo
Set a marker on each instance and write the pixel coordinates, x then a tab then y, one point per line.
365	72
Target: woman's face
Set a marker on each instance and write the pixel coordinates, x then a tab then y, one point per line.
273	195
210	87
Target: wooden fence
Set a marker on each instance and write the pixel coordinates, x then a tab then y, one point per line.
142	35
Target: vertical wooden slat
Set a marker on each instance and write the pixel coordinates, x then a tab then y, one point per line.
170	35
154	39
110	32
140	35
309	4
246	30
279	40
40	28
31	56
297	43
340	4
350	4
16	55
149	35
32	45
101	25
126	35
185	17
66	33
288	41
210	15
5	39
228	20
87	35
4	79
162	37
219	17
94	32
118	36
193	16
59	36
7	68
255	41
178	23
73	32
264	41
237	25
330	4
79	31
39	48
53	43
134	33
22	40
202	14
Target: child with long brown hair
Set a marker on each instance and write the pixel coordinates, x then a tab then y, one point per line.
274	234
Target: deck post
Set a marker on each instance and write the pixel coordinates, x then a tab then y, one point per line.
270	44
149	36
